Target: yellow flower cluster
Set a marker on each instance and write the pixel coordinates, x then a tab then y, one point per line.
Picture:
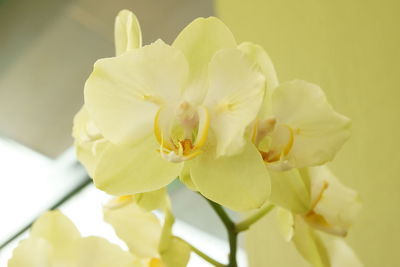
212	112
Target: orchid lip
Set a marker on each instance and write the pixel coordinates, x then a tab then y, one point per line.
183	149
259	133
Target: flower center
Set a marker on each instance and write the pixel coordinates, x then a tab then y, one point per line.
273	141
181	137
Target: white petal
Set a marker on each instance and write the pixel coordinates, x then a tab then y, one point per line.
319	131
199	41
309	244
140	229
236	88
240	182
98	252
125	170
123	93
338	205
32	252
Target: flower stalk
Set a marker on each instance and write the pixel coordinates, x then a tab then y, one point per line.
249	221
202	254
234	229
231	229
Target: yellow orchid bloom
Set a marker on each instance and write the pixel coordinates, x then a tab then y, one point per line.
152	110
54	241
325	203
334	207
296	126
141	230
329	206
302	129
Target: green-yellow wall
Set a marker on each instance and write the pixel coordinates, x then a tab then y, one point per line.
352	49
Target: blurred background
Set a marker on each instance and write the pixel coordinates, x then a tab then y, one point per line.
350	48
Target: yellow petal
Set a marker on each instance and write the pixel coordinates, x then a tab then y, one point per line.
54	227
286	223
152	200
340	253
199	41
98	252
32	252
138	228
319	130
177	255
258	54
338	205
309	244
127	33
52	236
123	93
125	170
185	176
89	146
236	88
239	182
290	191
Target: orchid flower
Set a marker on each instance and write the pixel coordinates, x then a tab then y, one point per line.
154	111
332	209
296	126
135	224
55	241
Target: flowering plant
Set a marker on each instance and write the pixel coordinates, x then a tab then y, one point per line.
213	113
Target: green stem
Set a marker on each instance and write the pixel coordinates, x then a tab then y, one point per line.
246	223
231	229
202	254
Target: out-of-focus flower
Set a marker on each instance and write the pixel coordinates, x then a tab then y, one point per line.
55	241
153	109
135	224
332	208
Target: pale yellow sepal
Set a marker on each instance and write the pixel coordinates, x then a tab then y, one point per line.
89	142
239	182
199	41
340	253
186	177
318	130
127	33
335	206
236	89
32	252
286	223
55	228
124	93
152	200
137	227
55	241
98	252
177	255
309	244
290	191
125	170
